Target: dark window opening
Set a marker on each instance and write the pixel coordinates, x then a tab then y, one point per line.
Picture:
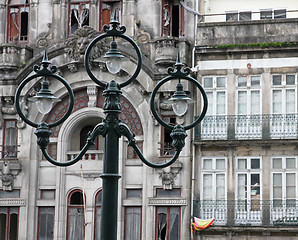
76	199
24	26
79	15
166	144
175	21
281	13
168	223
9	218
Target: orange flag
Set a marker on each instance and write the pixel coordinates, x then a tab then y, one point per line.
199	224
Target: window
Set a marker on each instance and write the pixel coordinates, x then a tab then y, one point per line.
46	223
108	9
18	16
75	220
284	181
47	194
9	220
78	14
213	179
133	193
216	93
166	140
232	16
284	94
172	18
249	95
133	223
175	192
235	16
10	139
248	183
270	14
98	202
168	223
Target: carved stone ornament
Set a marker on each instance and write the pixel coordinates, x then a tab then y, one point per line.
169	174
44	41
9	171
78	42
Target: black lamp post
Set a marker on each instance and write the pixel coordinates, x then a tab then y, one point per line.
111	128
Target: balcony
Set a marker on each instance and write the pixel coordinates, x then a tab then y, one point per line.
89	155
247	127
248	213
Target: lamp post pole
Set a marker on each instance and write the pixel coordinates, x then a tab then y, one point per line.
111	128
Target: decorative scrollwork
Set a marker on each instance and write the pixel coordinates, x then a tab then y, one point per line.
178	135
43	134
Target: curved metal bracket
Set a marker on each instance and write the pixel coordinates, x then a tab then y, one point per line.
178	135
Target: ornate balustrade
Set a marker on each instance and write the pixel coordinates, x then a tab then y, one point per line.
90	154
253	212
248	127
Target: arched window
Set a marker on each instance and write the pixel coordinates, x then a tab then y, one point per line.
75	216
98	200
84	135
78	14
18	16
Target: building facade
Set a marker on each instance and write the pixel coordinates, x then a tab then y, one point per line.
238	166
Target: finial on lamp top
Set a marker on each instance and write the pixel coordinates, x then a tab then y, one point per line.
45	61
178	64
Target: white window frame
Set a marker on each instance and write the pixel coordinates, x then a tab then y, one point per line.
283	88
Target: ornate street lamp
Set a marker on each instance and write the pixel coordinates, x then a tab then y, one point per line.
111	128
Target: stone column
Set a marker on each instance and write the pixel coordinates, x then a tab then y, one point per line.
3	16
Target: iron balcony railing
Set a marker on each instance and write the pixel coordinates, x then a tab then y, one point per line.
243	212
248	127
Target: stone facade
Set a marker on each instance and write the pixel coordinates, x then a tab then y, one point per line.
153	200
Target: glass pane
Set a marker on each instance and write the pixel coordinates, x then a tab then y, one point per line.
47	194
210	103
160	192
220	164
277	192
221	103
13	224
277	163
290	79
220	187
242	188
76	198
291	192
291	163
231	16
242	81
134	193
208	82
220	82
99	198
266	14
3	223
291	179
276	80
255	81
277	101
281	13
290	98
161	222
46	223
133	223
245	16
242	163
98	223
76	223
255	181
207	164
207	185
255	102
255	163
174	223
277	179
242	102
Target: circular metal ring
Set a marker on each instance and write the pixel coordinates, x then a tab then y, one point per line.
163	81
105	35
28	79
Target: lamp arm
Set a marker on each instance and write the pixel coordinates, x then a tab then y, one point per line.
43	134
178	134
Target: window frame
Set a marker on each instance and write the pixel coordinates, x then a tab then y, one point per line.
39	220
213	172
214	90
283	88
125	220
168	5
69	206
79	3
249	89
168	220
5	132
8	221
96	213
26	6
114	3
